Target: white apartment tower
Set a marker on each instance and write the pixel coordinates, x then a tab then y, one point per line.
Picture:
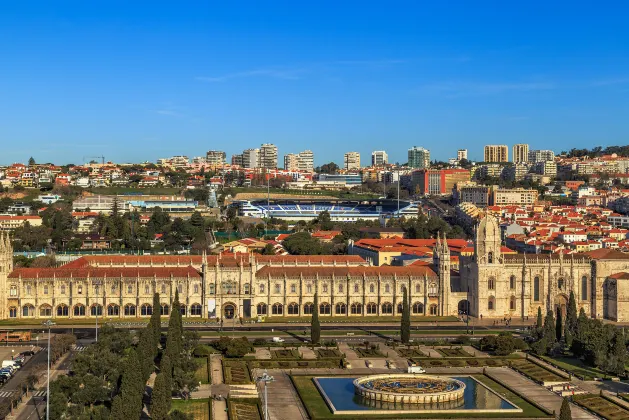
536	156
461	154
268	156
379	158
251	158
351	160
520	153
305	161
215	158
291	161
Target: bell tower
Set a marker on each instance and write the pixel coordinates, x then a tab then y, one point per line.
488	241
6	266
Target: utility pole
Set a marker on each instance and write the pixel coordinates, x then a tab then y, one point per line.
48	323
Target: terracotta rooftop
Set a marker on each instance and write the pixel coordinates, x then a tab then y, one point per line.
341	272
129	272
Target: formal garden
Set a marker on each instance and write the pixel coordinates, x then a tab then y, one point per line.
244	409
453	352
602	406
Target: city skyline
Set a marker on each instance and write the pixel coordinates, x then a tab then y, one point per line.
135	85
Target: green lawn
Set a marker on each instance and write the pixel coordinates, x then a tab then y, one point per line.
202	373
318	409
603	407
200	409
576	366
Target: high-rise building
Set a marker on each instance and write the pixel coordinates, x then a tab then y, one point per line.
438	181
291	161
268	156
251	158
536	156
379	158
237	159
520	153
418	157
496	153
305	161
461	154
351	160
215	157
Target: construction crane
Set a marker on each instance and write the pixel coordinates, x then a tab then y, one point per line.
102	158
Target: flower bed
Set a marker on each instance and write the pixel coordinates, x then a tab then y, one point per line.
602	407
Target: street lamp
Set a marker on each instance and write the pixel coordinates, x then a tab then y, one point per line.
265	378
48	323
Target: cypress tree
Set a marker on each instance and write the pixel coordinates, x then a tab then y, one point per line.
558	326
571	314
564	413
549	331
315	327
161	398
132	388
117	411
619	353
166	368
540	322
156	322
405	327
174	343
146	352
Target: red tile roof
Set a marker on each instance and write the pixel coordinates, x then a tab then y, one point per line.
101	272
343	272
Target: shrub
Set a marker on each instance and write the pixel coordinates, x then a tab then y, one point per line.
464	340
259	342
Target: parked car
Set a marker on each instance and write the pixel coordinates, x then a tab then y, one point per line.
416	369
28	353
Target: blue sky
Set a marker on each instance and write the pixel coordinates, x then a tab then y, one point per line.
137	80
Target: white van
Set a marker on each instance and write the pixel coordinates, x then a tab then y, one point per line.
416	369
278	340
7	363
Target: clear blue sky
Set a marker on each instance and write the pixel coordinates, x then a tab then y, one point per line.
137	80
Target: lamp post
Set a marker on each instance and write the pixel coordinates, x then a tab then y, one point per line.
48	323
265	378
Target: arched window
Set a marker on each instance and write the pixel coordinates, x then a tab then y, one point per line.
372	288
372	308
433	290
278	288
400	308
402	288
491	284
261	287
387	308
560	283
433	309
113	310
113	289
196	310
146	310
13	291
325	287
62	310
491	303
356	309
418	308
309	288
340	309
246	289
356	288
417	288
45	311
387	288
325	309
129	310
129	289
46	289
341	288
490	257
212	290
293	309
196	288
512	282
79	310
79	289
512	303
96	310
29	289
277	309
584	288
12	312
183	310
293	288
147	289
96	290
536	289
180	288
63	289
163	288
308	308
261	309
164	309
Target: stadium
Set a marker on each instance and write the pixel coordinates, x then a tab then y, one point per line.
340	211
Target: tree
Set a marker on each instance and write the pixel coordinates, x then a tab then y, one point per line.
558	326
166	368
117	410
31	161
571	320
315	327
161	398
405	327
618	356
132	388
505	344
564	413
268	250
540	322
173	340
156	322
549	331
146	351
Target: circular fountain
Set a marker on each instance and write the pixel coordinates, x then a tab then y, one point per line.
409	388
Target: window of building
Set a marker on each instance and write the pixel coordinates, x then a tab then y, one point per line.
113	289
512	282
45	311
180	288
293	288
28	290
12	312
28	310
45	289
247	288
96	290
146	310
512	303
372	288
79	290
261	287
96	310
278	288
536	289
183	310
293	309
491	303
163	288
196	310
164	309
560	283
340	287
196	289
372	308
418	308
325	287
113	310
491	284
13	291
129	310
387	308
79	310
324	309
340	309
309	288
356	288
417	288
129	289
490	257
400	308
584	288
433	309
356	309
62	310
147	290
261	309
308	308
387	288
277	309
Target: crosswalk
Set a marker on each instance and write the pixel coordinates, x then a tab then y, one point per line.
79	348
8	394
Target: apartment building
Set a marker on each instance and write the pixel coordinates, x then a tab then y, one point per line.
305	161
418	157
251	158
351	160
461	154
215	158
520	153
268	156
536	156
237	159
379	158
505	196
438	181
14	222
291	161
496	153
